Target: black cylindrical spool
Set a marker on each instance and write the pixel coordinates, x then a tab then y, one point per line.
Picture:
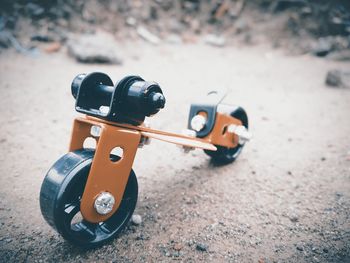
76	84
131	100
144	98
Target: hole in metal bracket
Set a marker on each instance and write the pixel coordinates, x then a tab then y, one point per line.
89	143
116	151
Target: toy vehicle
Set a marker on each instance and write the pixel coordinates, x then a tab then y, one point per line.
89	195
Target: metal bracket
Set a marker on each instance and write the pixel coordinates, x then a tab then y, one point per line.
208	105
105	175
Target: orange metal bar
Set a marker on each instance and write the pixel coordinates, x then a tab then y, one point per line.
170	137
219	134
105	175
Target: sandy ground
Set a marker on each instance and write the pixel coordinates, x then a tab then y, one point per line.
286	198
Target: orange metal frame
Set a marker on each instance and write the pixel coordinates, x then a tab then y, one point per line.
106	175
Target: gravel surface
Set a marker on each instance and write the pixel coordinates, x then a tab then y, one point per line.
286	198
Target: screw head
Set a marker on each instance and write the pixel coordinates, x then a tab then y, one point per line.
198	123
242	132
104	203
95	131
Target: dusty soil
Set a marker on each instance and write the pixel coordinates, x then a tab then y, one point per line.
286	198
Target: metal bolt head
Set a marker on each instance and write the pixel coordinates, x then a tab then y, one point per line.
198	122
243	134
104	203
104	110
144	141
95	131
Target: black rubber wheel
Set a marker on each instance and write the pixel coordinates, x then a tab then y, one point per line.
225	155
60	196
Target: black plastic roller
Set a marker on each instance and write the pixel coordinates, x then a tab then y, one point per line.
130	100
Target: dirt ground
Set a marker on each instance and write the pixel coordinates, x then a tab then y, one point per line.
285	199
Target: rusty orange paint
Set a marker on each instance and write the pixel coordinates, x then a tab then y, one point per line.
105	175
219	134
199	142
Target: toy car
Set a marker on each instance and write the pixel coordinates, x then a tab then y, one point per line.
89	194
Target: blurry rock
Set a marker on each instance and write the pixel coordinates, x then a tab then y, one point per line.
41	38
338	78
53	47
176	26
165	4
241	25
34	10
190	6
8	40
333	78
293	24
341	55
306	10
195	25
9	23
174	39
5	39
214	40
147	35
248	38
325	45
136	219
131	21
96	48
88	15
178	246
293	218
300	247
281	5
153	13
322	47
202	247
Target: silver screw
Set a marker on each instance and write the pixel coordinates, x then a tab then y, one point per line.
104	203
243	134
198	122
95	131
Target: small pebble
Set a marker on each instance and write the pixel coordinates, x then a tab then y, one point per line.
201	247
136	219
178	247
300	248
294	218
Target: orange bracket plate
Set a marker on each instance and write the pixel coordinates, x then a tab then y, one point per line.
105	175
219	135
